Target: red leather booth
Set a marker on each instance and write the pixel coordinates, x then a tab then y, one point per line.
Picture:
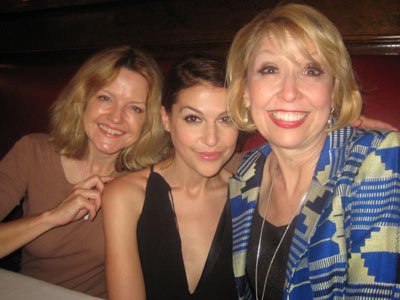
27	91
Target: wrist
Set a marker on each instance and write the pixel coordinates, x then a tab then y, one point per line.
47	220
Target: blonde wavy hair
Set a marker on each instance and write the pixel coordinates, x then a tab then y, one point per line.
304	24
67	133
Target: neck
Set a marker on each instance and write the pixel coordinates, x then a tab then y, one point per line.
100	166
295	168
180	175
78	170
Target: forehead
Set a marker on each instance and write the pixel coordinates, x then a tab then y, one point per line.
288	44
128	83
129	78
203	97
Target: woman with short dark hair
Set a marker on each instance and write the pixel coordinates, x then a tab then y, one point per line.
167	227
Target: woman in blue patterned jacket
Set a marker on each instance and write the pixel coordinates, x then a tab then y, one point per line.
316	211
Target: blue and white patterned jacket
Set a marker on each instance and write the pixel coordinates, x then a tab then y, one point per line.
347	239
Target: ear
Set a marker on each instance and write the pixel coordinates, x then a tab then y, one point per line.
165	119
246	97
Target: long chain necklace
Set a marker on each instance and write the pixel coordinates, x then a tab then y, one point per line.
281	240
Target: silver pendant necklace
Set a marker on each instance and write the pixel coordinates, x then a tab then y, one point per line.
280	242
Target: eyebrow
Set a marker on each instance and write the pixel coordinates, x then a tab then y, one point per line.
112	94
191	108
198	111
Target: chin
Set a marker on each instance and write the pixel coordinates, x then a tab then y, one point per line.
210	175
210	172
110	150
283	142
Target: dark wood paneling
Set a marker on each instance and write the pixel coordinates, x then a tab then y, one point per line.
170	27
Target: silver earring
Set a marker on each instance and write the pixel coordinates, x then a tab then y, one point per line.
331	118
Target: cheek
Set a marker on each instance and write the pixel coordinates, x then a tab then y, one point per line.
91	112
258	113
258	94
323	97
181	134
136	122
230	137
185	137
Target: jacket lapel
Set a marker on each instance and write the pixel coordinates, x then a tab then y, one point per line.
319	198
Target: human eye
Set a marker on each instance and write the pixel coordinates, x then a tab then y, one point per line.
225	120
104	98
137	109
192	119
313	70
268	69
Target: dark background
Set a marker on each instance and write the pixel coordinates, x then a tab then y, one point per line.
42	30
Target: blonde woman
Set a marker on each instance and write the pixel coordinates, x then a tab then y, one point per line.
316	210
103	123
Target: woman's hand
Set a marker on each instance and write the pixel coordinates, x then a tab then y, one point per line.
366	123
85	199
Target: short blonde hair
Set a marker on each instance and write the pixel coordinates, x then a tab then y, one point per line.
67	132
303	23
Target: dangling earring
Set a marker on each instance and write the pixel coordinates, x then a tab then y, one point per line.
331	118
246	115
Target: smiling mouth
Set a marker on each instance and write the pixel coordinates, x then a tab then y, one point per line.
111	131
210	156
288	116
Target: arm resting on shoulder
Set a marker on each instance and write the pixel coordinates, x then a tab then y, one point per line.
367	123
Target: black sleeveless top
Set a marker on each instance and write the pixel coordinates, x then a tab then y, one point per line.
271	237
161	253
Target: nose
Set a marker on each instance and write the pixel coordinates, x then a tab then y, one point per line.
210	135
289	90
115	114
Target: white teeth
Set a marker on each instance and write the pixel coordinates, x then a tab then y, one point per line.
110	130
288	116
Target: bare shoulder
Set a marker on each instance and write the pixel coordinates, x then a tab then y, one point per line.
134	180
127	190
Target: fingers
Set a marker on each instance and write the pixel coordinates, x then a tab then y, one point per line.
380	124
83	201
106	179
94	182
87	198
356	123
78	204
367	123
